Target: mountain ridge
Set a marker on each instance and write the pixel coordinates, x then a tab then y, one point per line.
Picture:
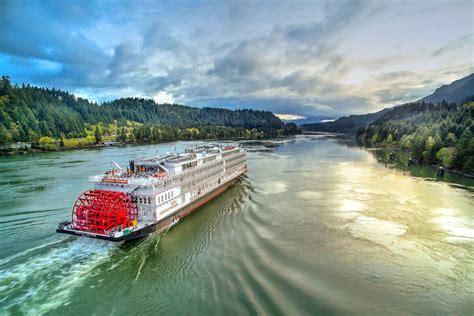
457	91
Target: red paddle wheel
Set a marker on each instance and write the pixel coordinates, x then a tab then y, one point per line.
98	211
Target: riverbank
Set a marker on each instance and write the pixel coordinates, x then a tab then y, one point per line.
28	148
403	160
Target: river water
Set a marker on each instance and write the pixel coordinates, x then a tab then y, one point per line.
318	226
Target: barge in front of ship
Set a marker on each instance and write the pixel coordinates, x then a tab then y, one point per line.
153	194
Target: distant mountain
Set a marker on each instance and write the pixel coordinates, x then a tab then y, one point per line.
436	130
456	92
310	120
347	124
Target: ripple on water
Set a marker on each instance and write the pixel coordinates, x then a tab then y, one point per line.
454	225
34	188
274	187
310	195
44	282
376	230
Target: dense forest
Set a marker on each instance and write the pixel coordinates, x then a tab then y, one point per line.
50	118
433	133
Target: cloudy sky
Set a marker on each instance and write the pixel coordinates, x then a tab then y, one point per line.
302	58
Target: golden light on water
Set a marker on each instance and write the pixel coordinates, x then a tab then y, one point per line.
391	203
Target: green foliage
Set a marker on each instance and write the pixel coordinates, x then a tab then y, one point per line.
446	155
98	133
28	114
433	134
89	140
47	143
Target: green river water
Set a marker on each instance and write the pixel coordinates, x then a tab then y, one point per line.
317	226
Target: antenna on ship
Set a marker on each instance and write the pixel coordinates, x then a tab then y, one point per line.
116	165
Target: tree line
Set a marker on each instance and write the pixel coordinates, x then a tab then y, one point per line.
31	114
433	133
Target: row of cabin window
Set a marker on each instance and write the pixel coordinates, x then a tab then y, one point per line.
237	165
230	165
231	169
202	178
166	196
228	153
237	162
233	158
206	177
210	158
144	200
200	170
209	167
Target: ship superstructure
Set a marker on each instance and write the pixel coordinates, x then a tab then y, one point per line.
153	194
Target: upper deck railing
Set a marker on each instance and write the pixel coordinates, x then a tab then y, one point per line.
124	178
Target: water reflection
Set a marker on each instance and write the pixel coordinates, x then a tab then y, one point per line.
454	225
316	227
398	160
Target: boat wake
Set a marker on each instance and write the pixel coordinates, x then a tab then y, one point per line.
47	280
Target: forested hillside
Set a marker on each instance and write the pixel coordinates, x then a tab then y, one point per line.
456	92
29	114
433	134
346	124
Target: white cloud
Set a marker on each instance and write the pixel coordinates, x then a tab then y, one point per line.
163	97
303	58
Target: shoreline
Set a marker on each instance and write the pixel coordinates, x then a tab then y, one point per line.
395	149
374	149
34	151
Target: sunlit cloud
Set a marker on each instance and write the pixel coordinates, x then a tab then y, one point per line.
303	58
290	117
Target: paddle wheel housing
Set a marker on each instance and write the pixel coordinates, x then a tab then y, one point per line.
101	211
